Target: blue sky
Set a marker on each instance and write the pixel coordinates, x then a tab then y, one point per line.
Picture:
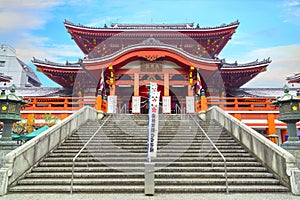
268	28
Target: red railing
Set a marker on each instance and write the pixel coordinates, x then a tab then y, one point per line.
75	103
58	103
242	104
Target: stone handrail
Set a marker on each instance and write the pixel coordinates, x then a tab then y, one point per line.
20	160
276	159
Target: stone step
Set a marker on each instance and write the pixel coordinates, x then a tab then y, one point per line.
188	164
107	167
128	155
140	174
143	143
142	159
87	154
114	161
140	189
217	188
81	188
140	181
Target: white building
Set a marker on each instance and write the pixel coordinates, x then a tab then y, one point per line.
10	65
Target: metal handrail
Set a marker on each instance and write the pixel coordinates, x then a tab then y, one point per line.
216	148
177	108
124	107
84	146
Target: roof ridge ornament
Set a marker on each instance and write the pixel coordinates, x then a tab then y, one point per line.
152	41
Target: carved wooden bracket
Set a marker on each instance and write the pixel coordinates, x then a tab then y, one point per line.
152	57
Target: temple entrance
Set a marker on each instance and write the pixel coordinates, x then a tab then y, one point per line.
176	94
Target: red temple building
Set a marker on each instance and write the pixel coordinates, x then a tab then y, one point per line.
294	79
180	58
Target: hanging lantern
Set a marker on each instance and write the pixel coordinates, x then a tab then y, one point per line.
191	80
112	75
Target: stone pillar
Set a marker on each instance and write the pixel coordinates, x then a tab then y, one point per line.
149	179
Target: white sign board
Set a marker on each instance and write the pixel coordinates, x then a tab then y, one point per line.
190	104
166	107
112	104
136	105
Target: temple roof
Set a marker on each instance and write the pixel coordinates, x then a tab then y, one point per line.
4	78
178	26
236	66
294	79
260	92
59	66
147	44
202	42
38	92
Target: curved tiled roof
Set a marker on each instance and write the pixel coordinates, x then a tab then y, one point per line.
4	78
294	79
153	26
55	64
150	43
235	65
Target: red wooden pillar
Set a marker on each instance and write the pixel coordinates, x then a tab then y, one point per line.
238	116
271	130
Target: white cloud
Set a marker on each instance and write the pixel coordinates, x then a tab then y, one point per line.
32	4
285	62
19	18
23	14
36	47
292	11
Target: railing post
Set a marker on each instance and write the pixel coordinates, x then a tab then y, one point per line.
65	103
271	132
149	178
98	102
203	100
236	103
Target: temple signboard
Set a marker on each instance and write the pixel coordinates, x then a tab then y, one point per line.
166	101
112	104
190	104
151	66
136	105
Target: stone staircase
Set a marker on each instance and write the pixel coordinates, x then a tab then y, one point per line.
114	161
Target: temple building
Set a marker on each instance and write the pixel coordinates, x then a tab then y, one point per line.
122	59
294	79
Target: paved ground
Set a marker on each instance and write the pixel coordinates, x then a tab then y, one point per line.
208	196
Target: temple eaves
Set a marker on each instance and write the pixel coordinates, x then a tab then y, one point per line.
153	26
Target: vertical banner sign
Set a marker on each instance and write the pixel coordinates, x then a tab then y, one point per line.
166	101
199	84
153	120
136	105
112	104
190	104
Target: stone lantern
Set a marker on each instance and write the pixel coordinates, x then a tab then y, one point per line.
10	105
289	113
9	111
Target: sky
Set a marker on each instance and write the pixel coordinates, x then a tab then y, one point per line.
268	28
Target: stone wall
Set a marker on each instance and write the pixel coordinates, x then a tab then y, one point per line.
276	159
20	160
